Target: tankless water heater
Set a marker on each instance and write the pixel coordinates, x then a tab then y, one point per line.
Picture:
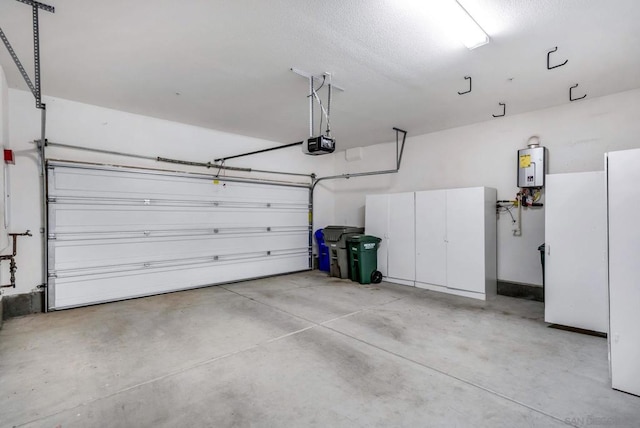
532	167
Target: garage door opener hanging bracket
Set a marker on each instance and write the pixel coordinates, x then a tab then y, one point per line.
322	142
35	86
313	98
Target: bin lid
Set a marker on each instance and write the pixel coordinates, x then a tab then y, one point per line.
364	239
334	233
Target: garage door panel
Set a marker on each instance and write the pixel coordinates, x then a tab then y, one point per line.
104	252
80	182
116	233
89	272
110	218
78	290
105	232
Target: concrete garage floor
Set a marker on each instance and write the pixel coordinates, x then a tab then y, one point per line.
305	350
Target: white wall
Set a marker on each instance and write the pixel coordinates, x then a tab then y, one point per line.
4	108
91	126
4	142
484	154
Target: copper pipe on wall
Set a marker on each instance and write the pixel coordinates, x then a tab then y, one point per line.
12	258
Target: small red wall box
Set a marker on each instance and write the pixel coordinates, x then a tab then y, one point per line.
8	157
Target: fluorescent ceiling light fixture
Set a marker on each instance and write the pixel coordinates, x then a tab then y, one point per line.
465	27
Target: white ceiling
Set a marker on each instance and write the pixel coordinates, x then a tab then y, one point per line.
225	64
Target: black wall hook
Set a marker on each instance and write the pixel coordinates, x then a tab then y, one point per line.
571	94
555	66
466	92
504	110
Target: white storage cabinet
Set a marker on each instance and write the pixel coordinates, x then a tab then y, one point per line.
456	241
442	240
576	251
623	195
391	217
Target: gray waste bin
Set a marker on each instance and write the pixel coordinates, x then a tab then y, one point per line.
336	239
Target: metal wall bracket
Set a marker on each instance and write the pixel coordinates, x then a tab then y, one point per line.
504	110
39	5
399	148
34	86
466	92
315	77
549	67
571	94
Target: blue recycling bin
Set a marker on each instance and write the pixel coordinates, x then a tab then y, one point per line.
323	252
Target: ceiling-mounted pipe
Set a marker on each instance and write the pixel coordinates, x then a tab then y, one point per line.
399	152
356	174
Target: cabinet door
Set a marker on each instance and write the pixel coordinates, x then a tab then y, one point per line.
465	239
576	264
431	248
376	221
401	232
623	176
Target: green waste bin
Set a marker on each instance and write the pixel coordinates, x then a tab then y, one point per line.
363	259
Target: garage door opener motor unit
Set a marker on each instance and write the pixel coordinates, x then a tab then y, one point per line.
321	143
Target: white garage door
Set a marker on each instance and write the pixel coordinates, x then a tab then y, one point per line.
117	233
